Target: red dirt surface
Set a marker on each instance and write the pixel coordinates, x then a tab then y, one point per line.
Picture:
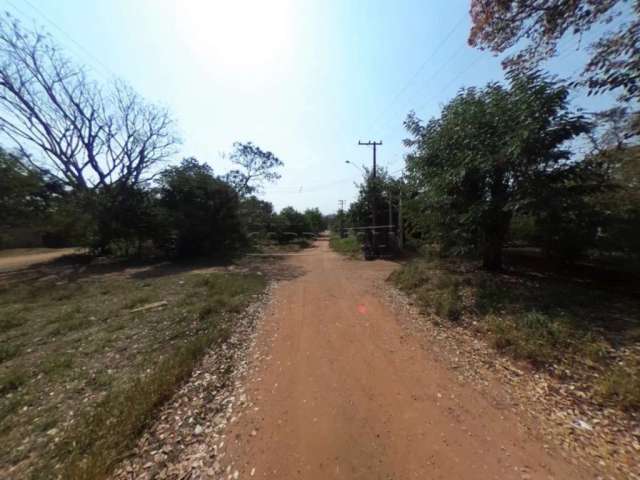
343	392
22	258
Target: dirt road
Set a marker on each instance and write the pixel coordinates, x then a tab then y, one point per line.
344	392
22	258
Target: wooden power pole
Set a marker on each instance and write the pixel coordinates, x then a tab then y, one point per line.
373	144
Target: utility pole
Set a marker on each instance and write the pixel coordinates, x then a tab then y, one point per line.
390	212
374	145
341	217
400	223
374	244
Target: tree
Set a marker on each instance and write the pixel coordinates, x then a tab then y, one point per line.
293	221
375	194
201	211
89	137
25	194
490	153
316	221
257	167
256	214
541	24
122	218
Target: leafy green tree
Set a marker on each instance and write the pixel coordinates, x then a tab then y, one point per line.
539	25
25	193
375	194
490	153
316	221
289	224
201	211
256	214
122	219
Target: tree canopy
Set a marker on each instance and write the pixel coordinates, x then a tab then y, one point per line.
492	151
541	24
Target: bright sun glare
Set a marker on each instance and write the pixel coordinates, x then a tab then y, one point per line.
236	36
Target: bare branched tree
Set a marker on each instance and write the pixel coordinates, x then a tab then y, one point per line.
256	166
88	138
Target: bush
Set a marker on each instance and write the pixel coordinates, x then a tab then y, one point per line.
123	218
349	246
435	288
200	212
448	303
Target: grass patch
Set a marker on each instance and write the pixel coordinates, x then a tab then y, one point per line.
543	339
436	289
12	380
620	385
56	363
95	372
8	351
113	426
349	246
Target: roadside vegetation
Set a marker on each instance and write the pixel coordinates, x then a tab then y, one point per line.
574	331
523	213
349	245
85	362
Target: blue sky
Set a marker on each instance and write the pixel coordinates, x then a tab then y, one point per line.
305	79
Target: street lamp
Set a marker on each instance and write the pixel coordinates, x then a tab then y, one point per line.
353	164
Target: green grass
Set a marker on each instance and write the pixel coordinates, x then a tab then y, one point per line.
543	339
620	385
543	321
436	289
77	361
349	246
12	380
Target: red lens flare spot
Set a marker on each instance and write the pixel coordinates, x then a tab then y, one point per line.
362	309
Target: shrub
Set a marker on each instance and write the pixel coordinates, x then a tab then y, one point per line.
200	211
448	303
435	288
349	246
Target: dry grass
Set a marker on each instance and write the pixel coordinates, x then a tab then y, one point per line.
621	385
81	374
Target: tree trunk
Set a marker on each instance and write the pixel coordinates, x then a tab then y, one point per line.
494	236
497	222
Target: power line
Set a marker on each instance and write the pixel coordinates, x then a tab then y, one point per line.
313	188
77	44
451	82
418	71
428	81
